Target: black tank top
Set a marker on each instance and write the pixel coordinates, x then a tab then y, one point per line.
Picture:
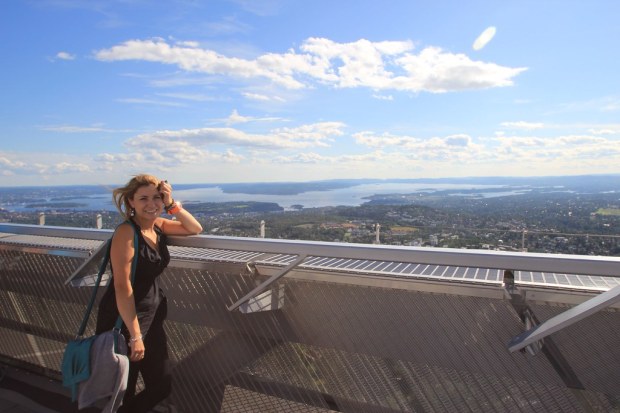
147	293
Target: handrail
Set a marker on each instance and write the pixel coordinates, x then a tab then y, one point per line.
516	261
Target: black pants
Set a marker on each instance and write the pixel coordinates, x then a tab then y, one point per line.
155	369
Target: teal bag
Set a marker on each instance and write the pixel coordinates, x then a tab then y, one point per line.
75	366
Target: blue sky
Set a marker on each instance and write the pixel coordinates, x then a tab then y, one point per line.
94	91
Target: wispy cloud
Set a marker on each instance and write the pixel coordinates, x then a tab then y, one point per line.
332	160
195	97
388	65
64	56
601	104
260	8
605	131
157	102
485	37
262	98
611	106
81	129
522	125
383	97
235	118
227	26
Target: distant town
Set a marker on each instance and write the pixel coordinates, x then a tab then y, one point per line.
583	219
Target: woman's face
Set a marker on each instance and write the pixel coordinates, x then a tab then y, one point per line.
147	202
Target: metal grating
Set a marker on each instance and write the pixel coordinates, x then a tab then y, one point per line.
588	282
404	269
361	349
329	346
449	273
37	241
598	334
259	402
210	254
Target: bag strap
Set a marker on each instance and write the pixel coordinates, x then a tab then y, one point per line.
134	265
102	267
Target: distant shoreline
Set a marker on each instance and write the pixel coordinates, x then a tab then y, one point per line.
299	187
294	196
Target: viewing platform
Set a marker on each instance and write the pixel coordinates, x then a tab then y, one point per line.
268	325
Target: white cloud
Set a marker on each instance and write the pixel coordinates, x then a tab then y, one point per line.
9	163
235	118
262	98
383	97
196	97
67	167
485	37
95	128
194	59
314	134
232	157
434	70
459	147
256	96
64	56
209	154
388	65
373	140
357	161
563	148
40	164
604	131
108	157
187	147
305	158
522	125
160	157
318	134
515	152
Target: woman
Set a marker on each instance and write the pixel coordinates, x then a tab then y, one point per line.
142	306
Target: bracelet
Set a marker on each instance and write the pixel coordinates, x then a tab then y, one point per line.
174	209
167	207
134	339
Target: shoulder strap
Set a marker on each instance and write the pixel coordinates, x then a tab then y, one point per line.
102	267
134	265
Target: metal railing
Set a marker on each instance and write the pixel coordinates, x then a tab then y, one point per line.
337	327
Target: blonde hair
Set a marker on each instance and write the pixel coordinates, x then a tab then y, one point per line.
122	195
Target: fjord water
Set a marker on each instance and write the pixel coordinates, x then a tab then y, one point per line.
354	195
350	196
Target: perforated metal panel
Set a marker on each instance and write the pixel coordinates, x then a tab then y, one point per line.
330	346
55	243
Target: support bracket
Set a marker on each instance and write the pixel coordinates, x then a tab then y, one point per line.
565	319
265	284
